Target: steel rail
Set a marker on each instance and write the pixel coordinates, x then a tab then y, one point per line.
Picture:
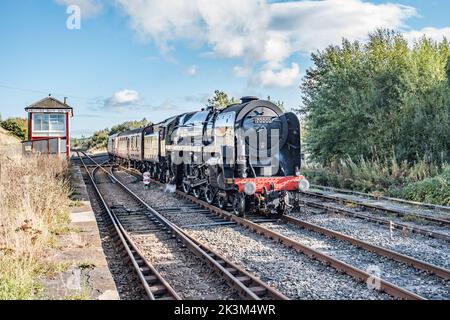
418	264
356	273
401	201
150	278
247	285
340	266
375	207
396	225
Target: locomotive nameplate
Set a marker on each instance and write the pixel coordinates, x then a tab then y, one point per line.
262	120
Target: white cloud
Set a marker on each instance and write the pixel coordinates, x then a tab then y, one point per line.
191	71
312	25
433	33
88	8
284	77
242	71
258	31
123	98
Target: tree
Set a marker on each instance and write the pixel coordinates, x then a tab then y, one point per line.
99	139
130	125
378	99
221	100
278	103
17	126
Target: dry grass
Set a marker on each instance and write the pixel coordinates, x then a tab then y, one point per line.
7	139
34	201
8	143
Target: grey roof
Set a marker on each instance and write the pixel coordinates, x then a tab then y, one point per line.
49	103
130	132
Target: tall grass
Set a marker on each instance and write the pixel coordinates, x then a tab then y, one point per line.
34	202
424	181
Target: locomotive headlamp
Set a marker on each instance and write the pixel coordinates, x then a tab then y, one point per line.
250	188
303	185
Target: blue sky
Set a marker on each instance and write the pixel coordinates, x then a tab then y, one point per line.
156	58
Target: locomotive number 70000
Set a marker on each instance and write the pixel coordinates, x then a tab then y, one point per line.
262	120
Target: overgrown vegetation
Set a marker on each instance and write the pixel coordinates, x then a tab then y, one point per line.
423	181
377	116
34	201
17	126
431	190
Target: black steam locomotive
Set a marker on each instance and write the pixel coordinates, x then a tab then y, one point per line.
247	155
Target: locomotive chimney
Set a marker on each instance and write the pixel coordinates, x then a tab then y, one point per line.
248	99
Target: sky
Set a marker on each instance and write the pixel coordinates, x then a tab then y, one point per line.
121	60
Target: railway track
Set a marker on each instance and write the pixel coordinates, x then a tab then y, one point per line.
144	219
91	161
316	201
438	217
422	269
153	283
416	263
420	205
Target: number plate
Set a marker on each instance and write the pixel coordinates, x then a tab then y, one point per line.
262	120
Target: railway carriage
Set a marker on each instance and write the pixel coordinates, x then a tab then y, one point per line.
135	146
123	143
112	145
247	155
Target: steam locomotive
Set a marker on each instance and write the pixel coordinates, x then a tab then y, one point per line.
247	155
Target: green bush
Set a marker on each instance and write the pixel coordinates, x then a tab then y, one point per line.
431	190
17	126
